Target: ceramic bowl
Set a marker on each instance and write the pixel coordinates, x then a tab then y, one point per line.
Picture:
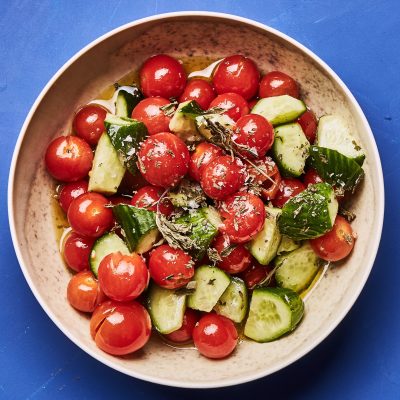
105	61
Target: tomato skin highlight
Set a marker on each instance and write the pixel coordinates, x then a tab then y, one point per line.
309	124
203	154
277	83
200	91
234	104
215	336
88	123
185	332
288	188
68	158
148	196
71	191
162	75
76	251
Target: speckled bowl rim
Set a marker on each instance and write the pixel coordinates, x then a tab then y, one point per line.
367	135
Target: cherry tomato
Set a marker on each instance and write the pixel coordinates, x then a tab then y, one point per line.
308	123
252	103
71	191
68	158
253	135
77	250
256	274
163	159
148	196
234	104
89	216
311	177
149	112
235	257
200	91
120	328
123	277
83	292
288	188
170	268
215	336
115	200
203	154
89	123
222	177
237	74
277	83
162	75
337	243
244	215
184	333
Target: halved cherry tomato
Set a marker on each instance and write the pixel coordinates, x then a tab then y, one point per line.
308	123
89	215
162	75
203	154
222	176
89	123
120	328
71	191
234	104
200	91
288	188
77	250
337	243
237	74
215	336
148	197
68	158
277	83
244	216
256	274
184	333
163	159
311	177
149	112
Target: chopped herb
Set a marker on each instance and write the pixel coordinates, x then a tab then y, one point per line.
211	281
169	277
213	255
348	215
228	250
169	109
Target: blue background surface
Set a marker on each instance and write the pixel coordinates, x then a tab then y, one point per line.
360	41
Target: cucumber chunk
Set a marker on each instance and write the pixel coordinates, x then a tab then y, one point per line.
183	122
233	303
273	312
127	99
297	269
286	245
166	308
211	283
290	149
279	109
334	134
105	245
207	123
107	170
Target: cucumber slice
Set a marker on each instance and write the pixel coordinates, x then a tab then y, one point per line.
183	123
286	245
207	123
127	99
263	247
333	167
297	269
334	134
107	170
273	312
233	303
166	308
309	214
138	225
211	283
290	149
279	109
105	245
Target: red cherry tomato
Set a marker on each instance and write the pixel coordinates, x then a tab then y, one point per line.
83	292
184	333
288	188
120	328
277	83
148	197
123	277
235	257
308	123
244	215
311	177
89	123
163	159
200	91
234	104
115	200
170	268
89	216
68	158
203	154
256	274
337	243
77	250
149	112
237	74
71	191
162	75
215	336
252	103
254	136
222	177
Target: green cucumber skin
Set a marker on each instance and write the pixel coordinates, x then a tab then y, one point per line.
128	98
192	109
